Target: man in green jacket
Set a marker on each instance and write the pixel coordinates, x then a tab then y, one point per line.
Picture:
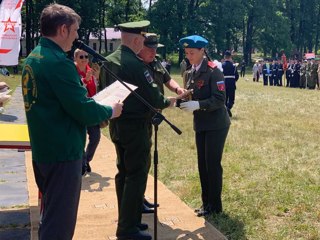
130	132
58	112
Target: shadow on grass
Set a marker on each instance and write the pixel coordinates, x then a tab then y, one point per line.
94	182
231	227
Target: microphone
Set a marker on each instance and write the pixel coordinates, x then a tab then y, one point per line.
81	45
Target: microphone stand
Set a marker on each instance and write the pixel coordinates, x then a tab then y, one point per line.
156	121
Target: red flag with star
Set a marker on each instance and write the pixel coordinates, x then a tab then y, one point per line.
10	31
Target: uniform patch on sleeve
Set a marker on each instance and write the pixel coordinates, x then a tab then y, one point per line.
221	86
148	77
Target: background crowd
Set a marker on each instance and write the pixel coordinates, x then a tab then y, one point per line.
294	74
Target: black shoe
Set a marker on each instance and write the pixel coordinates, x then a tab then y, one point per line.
135	236
198	209
148	204
142	226
84	170
88	167
229	112
204	213
147	209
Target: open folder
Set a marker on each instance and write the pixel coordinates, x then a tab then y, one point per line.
114	93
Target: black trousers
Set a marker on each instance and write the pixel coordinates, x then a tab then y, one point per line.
230	96
265	80
210	146
242	72
94	134
60	185
271	81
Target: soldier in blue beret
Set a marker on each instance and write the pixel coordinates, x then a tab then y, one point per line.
210	122
131	132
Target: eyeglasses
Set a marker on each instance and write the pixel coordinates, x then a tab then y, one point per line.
83	56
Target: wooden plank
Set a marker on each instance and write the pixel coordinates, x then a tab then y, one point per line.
14	136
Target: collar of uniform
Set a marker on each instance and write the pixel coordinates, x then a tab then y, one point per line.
129	50
46	42
156	65
203	66
196	68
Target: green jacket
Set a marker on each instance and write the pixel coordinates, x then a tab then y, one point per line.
209	89
56	105
131	69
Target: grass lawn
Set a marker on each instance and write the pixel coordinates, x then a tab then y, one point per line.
271	163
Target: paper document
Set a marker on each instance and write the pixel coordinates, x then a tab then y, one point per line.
114	93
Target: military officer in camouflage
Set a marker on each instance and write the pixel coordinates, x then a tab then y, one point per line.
130	133
58	111
210	122
313	79
160	76
159	73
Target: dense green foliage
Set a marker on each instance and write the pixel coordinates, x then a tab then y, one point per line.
268	26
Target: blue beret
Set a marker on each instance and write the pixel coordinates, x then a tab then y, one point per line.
193	41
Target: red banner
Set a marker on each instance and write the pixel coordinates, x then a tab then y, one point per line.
10	31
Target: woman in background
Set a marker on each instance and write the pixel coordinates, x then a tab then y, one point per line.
89	78
211	121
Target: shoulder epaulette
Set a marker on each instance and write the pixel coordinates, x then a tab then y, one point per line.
212	64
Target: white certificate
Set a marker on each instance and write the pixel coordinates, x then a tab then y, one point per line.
116	92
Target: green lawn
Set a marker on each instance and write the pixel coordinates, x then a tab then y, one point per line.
271	163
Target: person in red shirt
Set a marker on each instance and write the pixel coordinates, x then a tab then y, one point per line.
89	78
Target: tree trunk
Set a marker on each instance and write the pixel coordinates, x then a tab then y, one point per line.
244	38
101	9
150	4
104	28
28	26
180	30
317	32
301	27
127	10
249	36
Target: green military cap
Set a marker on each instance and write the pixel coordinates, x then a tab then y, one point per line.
152	41
140	27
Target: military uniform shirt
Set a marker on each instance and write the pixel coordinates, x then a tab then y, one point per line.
138	75
209	89
159	73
